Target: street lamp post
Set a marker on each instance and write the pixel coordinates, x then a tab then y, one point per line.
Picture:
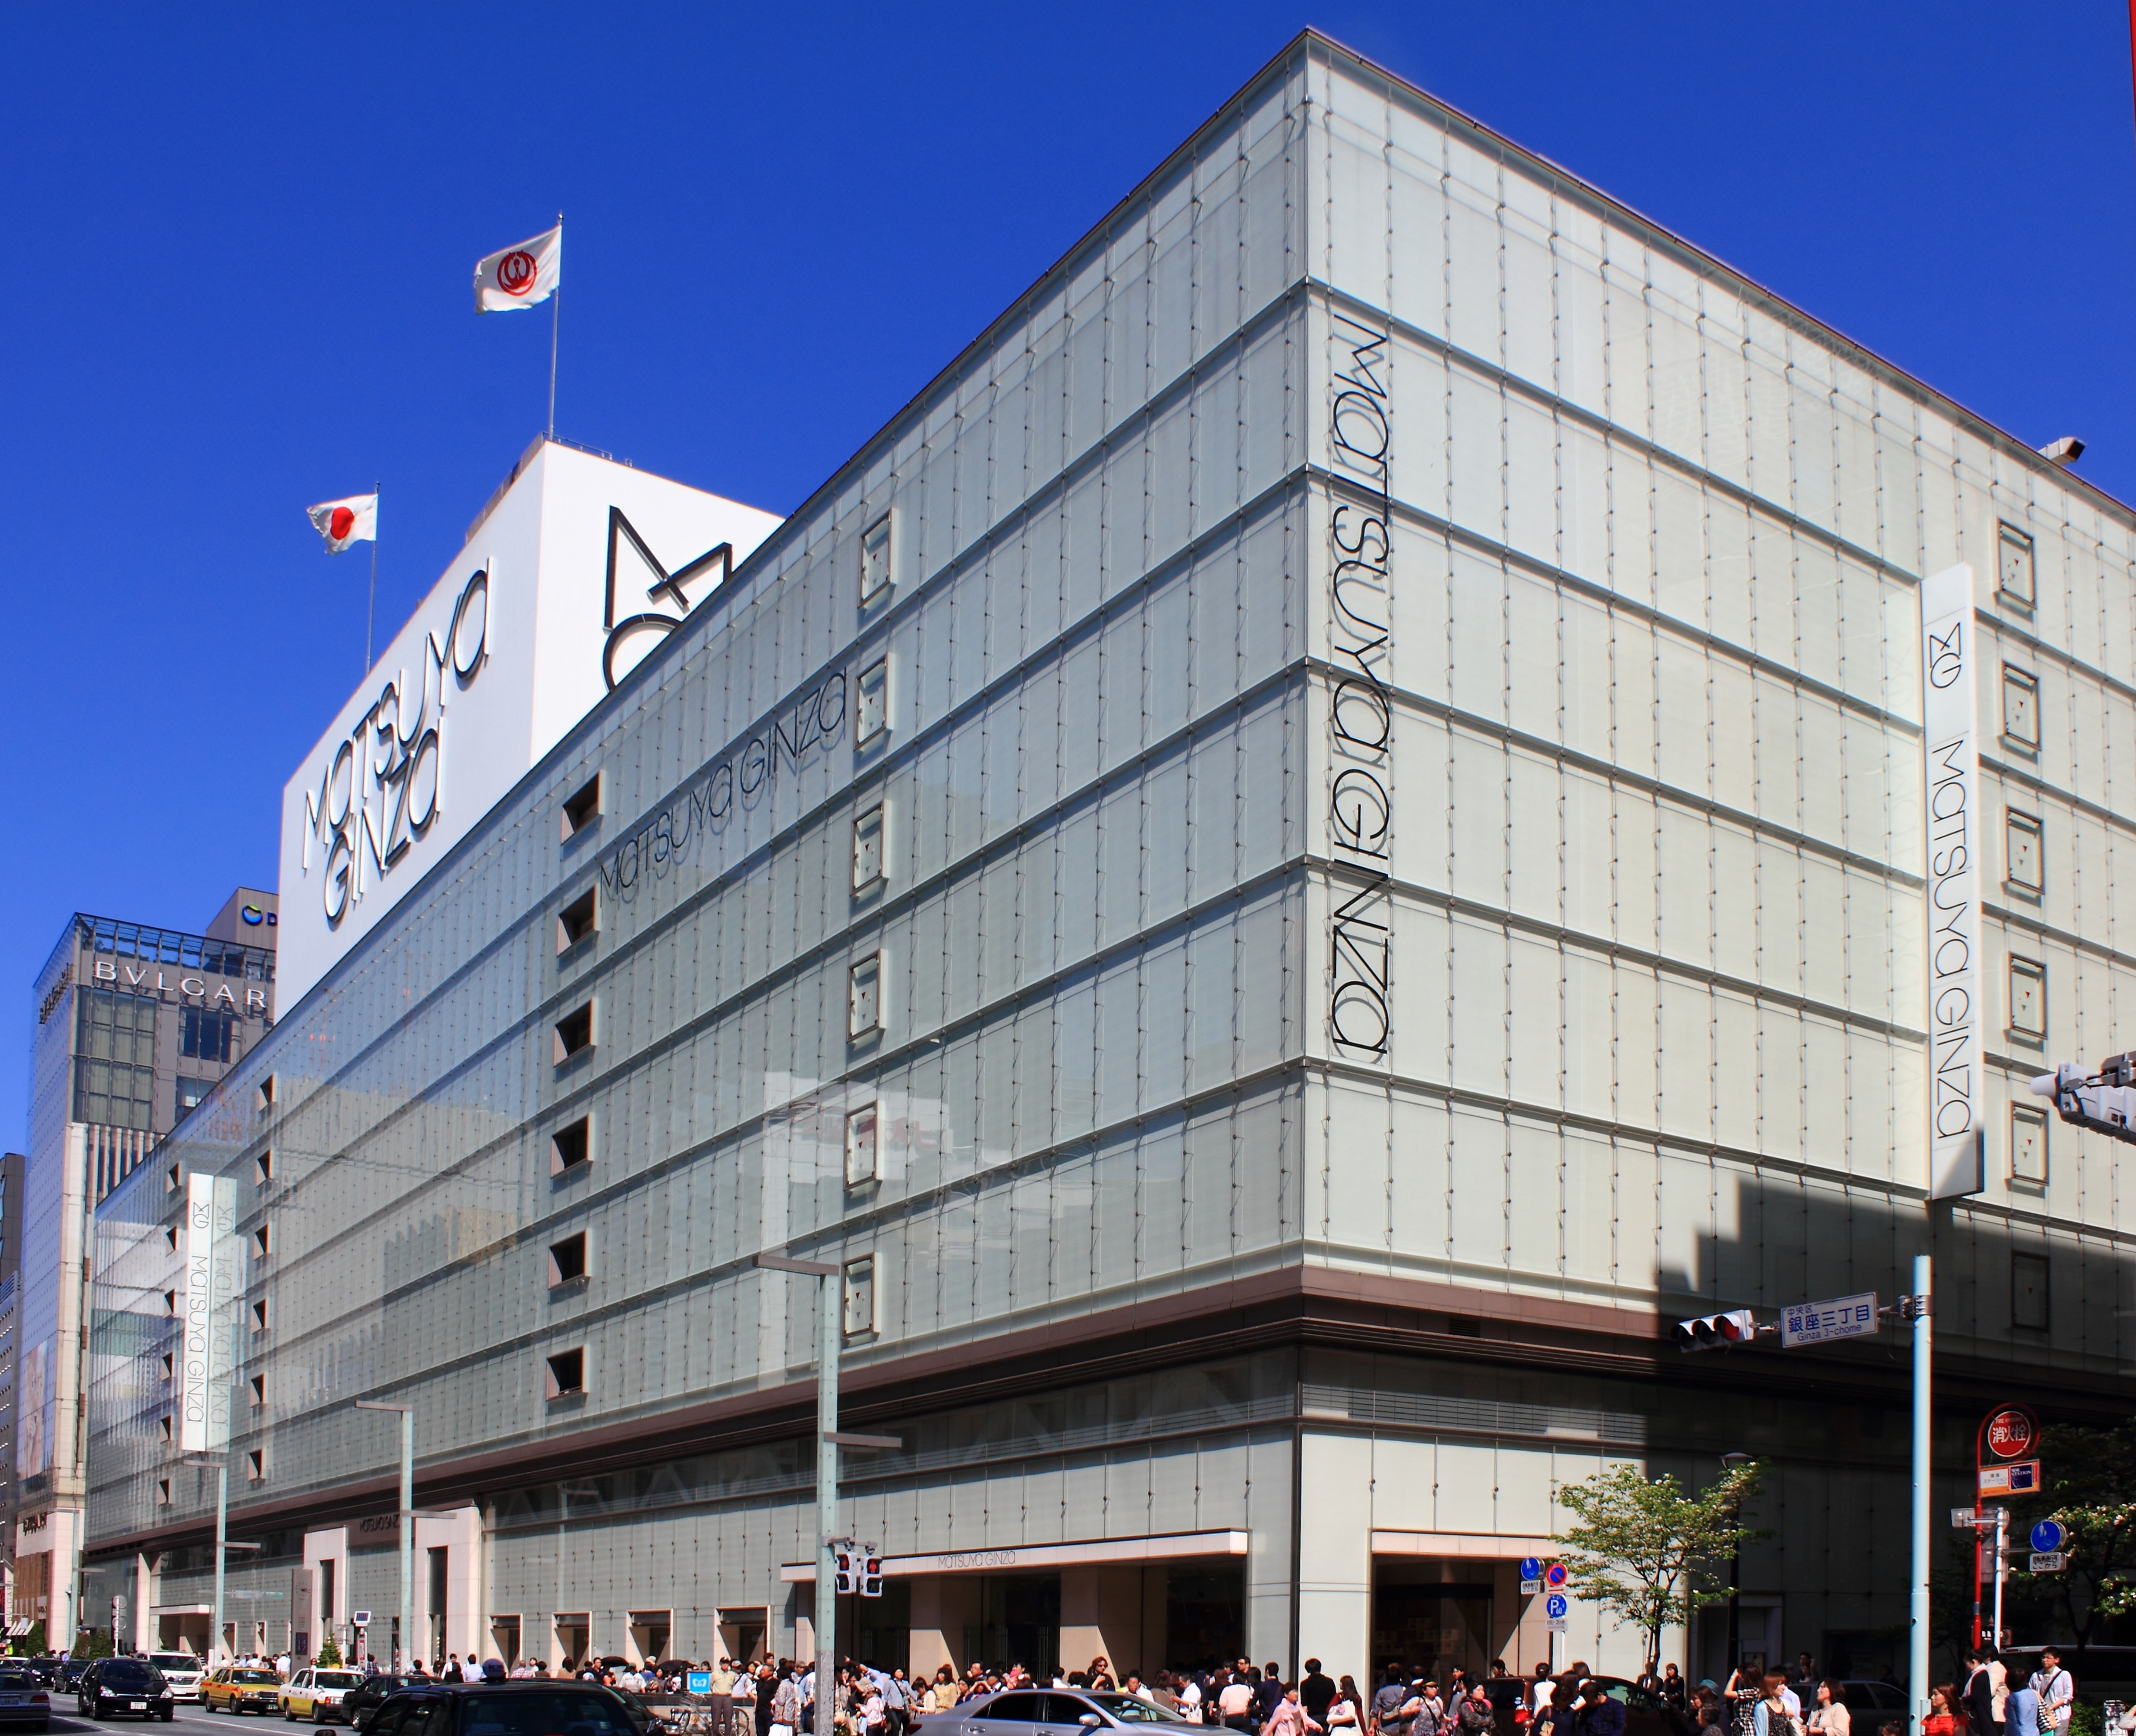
406	1525
830	1297
220	1464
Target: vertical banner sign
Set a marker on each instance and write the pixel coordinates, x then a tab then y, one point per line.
206	1285
1950	707
1359	715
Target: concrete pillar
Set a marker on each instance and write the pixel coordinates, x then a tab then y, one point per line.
1081	1638
929	1647
1335	1563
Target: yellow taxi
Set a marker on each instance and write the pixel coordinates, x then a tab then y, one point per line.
318	1693
242	1688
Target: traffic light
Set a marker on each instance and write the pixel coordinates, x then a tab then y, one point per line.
1717	1331
844	1557
872	1571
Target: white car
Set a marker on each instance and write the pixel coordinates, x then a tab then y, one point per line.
182	1671
315	1694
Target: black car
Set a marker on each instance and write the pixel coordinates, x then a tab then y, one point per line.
45	1666
67	1674
502	1708
112	1686
361	1701
1646	1713
23	1701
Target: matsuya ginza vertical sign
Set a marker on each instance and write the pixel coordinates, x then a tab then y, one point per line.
1950	717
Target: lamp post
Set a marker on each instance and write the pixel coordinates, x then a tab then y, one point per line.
406	1526
1732	1462
220	1464
830	1298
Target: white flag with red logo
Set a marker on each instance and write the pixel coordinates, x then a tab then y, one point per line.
344	522
518	277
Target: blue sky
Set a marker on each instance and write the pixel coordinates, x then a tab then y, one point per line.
238	241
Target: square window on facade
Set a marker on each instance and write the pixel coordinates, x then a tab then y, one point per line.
577	920
2015	578
582	808
871	703
574	1033
2021	865
875	558
867	848
2020	707
2028	1292
864	997
567	1260
567	1373
2028	999
863	1147
860	1296
570	1146
2028	1143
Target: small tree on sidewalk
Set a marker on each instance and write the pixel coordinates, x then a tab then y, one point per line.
1649	1552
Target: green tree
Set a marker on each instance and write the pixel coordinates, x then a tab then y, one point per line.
329	1654
2089	1478
1649	1552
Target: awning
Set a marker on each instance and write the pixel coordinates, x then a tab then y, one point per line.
1178	1546
1467	1545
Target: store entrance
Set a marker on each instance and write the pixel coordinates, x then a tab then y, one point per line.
1424	1620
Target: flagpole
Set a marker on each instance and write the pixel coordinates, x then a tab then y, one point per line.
370	609
557	321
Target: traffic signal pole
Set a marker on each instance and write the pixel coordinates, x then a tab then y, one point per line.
830	1307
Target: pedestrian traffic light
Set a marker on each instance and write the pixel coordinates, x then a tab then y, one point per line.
844	1557
872	1571
1717	1331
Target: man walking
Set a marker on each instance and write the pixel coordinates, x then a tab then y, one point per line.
2057	1693
1316	1693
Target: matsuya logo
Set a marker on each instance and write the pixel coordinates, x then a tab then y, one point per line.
516	273
377	791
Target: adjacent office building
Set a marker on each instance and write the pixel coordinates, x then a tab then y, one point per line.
136	1025
1358	807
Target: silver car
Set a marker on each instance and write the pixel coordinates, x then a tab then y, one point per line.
1057	1712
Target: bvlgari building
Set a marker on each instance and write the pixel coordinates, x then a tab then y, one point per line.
1396	779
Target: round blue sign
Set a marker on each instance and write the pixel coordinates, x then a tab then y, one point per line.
2048	1536
1555	1608
1530	1568
1555	1575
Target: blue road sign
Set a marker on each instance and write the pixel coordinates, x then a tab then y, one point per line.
1530	1568
1555	1608
2048	1536
1554	1574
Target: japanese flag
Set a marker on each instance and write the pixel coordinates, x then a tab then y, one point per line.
344	522
518	277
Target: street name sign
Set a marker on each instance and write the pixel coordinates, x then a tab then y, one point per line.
1823	1322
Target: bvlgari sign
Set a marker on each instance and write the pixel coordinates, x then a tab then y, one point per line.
1951	742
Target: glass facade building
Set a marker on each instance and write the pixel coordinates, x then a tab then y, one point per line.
1327	832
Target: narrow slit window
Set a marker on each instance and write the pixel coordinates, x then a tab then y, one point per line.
567	1260
260	1315
582	806
263	1166
864	997
163	1491
574	1033
578	920
170	1365
868	849
260	1239
2028	999
570	1146
2028	1144
567	1373
173	1179
2020	707
875	558
860	1296
171	1238
871	703
255	1466
2029	1292
863	1147
258	1384
267	1092
2017	576
2022	866
166	1427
